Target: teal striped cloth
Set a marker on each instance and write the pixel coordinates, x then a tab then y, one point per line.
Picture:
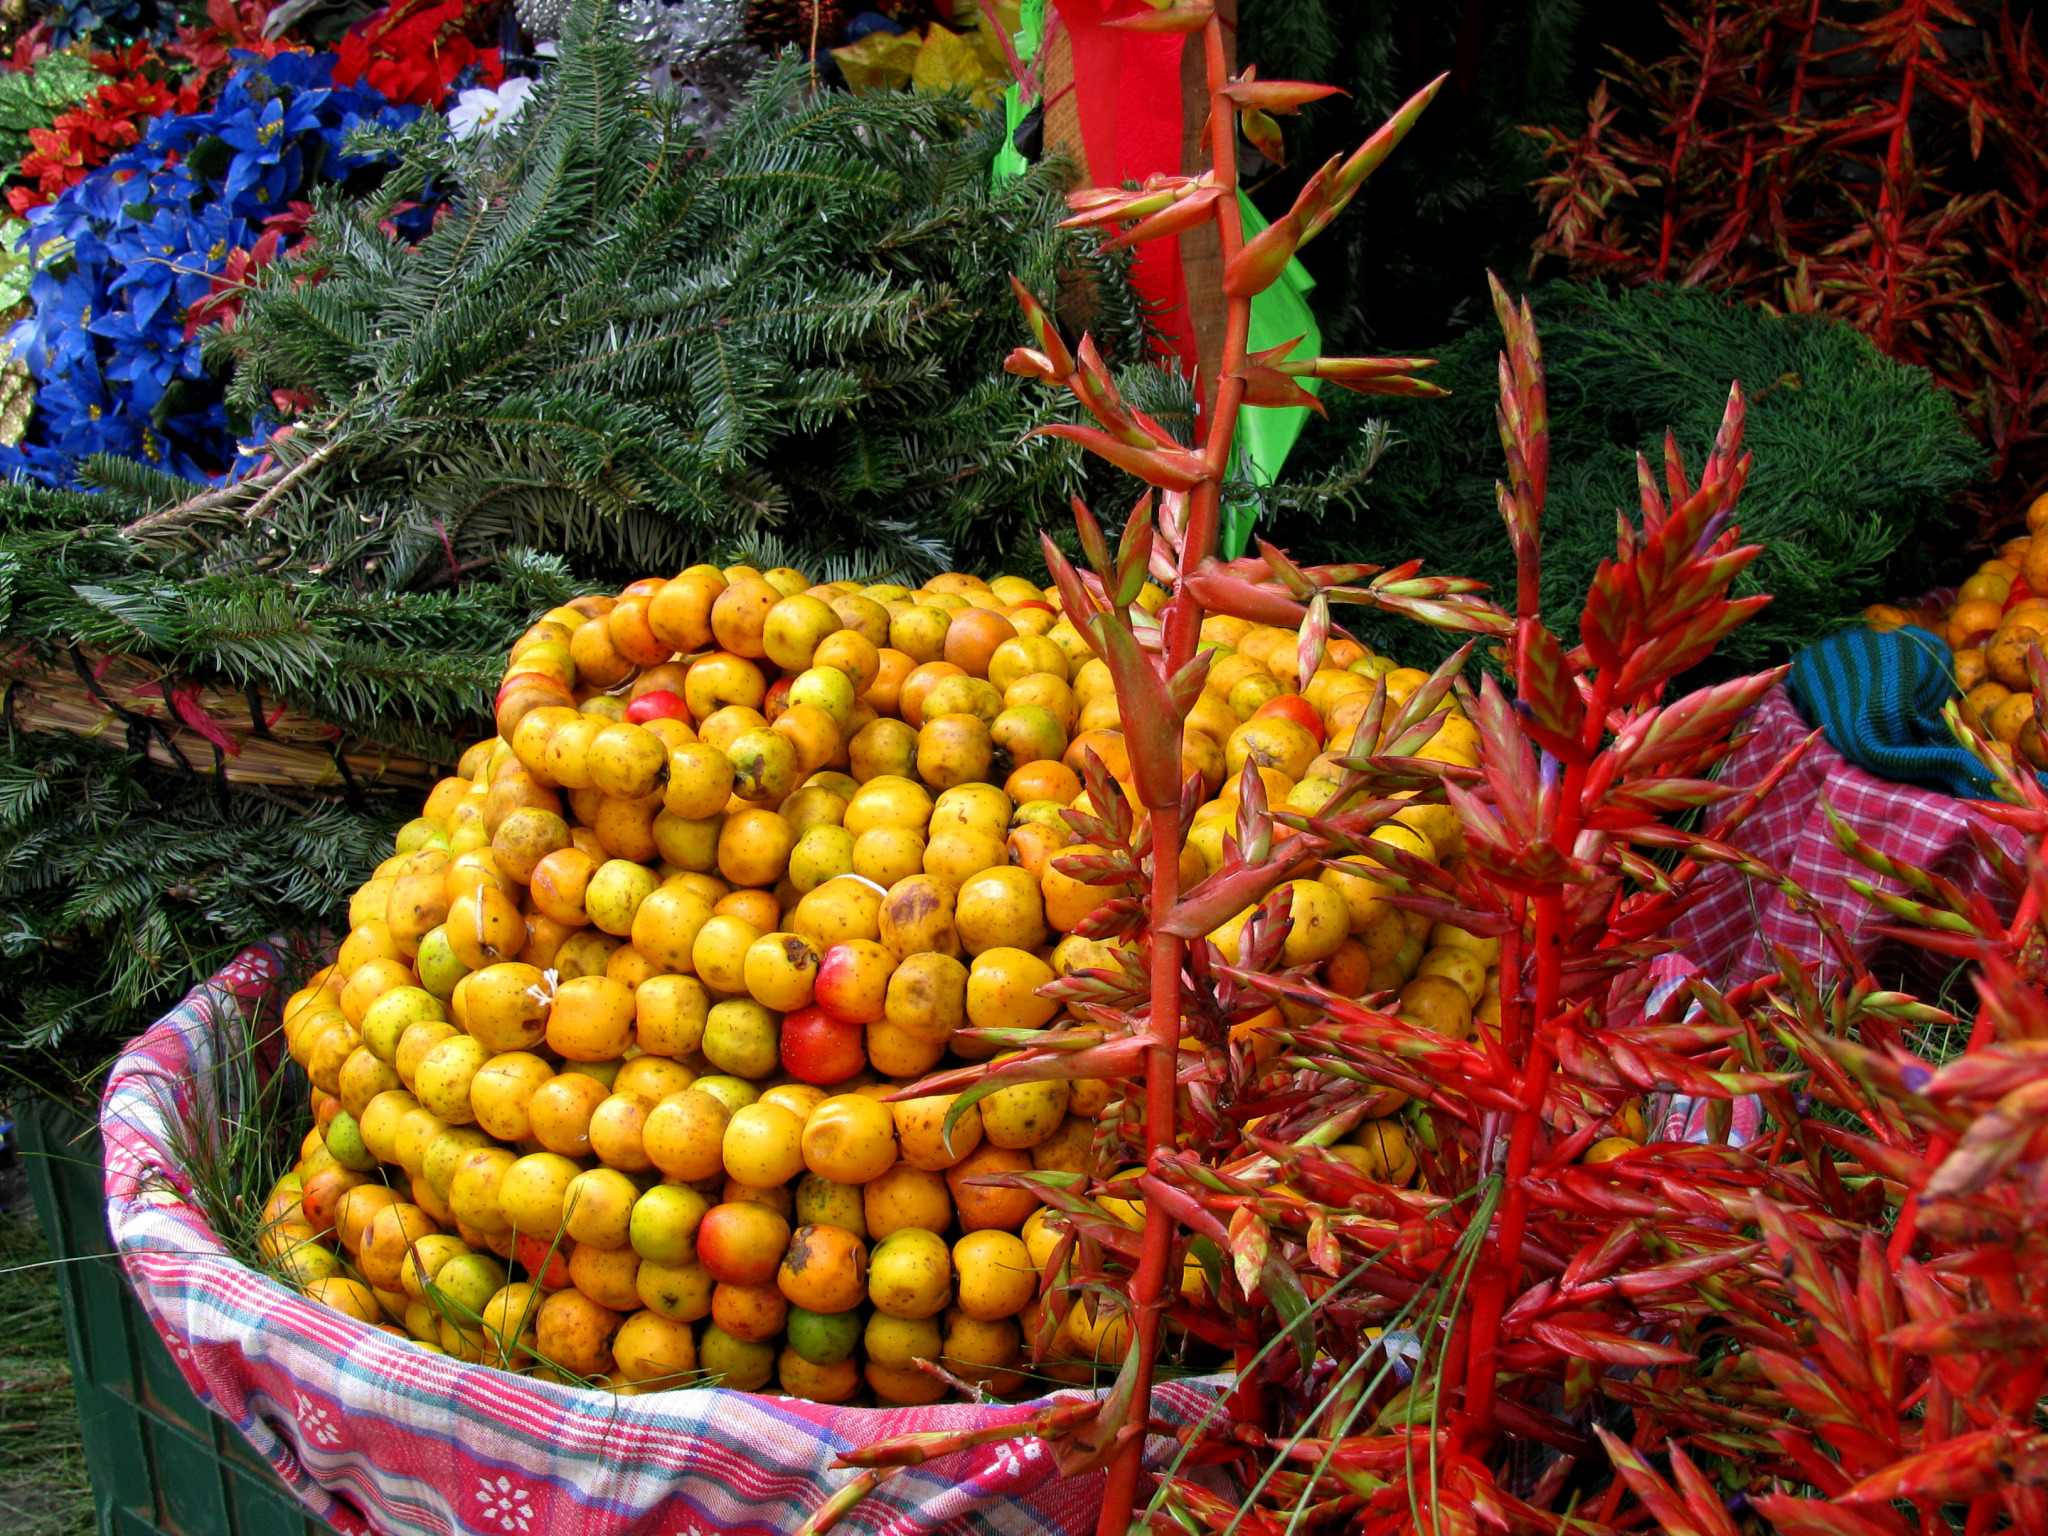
1877	697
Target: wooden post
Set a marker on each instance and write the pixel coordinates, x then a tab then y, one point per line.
1062	110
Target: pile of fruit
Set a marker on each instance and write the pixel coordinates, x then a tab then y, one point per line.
1998	613
607	1069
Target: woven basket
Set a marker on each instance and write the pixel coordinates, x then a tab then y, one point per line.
198	728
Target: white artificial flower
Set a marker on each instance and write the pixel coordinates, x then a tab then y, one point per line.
480	110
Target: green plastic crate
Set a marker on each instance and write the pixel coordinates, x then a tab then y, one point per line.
161	1463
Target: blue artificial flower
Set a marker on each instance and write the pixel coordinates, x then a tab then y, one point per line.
123	256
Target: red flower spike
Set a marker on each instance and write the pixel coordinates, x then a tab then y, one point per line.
1043	329
1151	727
1283	96
1134	553
1172	470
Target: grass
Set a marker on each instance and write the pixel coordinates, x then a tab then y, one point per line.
44	1490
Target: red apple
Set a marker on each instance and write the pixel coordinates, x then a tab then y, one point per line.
777	699
819	1049
658	704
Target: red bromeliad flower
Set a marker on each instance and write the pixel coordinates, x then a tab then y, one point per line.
412	51
1885	163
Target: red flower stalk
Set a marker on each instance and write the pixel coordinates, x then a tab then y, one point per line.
1442	1310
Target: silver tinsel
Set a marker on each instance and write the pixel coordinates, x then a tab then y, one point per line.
696	50
543	18
679	31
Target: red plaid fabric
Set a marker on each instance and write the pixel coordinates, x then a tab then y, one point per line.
1728	934
375	1435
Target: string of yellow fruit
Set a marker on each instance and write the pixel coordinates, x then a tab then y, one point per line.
622	1007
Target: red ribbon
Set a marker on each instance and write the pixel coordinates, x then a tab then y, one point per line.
1127	94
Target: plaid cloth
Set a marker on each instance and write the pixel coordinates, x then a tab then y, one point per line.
1878	697
1728	933
377	1436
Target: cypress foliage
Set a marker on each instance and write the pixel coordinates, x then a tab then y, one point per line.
1857	457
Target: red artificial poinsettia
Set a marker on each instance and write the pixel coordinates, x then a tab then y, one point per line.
110	120
412	50
223	301
235	27
31	46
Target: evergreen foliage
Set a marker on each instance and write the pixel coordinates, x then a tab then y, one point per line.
121	887
1855	456
640	348
413	671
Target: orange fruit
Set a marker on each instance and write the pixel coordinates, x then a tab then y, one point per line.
1973	617
1043	781
2011	716
1984	699
972	638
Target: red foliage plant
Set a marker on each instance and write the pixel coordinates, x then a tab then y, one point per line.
1884	163
1838	1326
412	50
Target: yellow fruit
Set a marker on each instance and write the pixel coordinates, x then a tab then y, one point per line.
597	1208
1023	1115
824	1270
502	1090
849	1139
1002	990
905	1196
917	915
655	1351
910	1274
780	970
762	1147
575	1333
996	1276
1000	908
838	910
1608	1148
828	1383
920	1132
982	1207
685	1135
591	1019
669	1014
444	1077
